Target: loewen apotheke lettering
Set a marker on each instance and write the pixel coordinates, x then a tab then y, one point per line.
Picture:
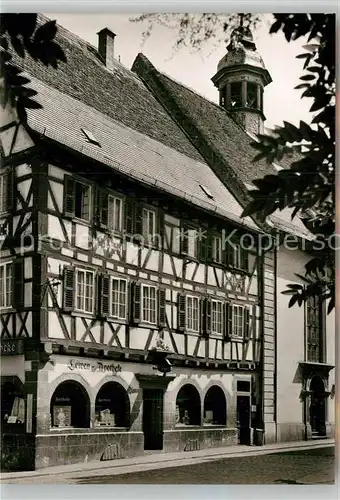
94	367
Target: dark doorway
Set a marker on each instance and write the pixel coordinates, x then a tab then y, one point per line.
153	419
243	419
318	407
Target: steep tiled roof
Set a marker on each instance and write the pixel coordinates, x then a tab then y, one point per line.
130	152
119	94
221	141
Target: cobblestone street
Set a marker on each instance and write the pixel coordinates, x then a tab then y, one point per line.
299	467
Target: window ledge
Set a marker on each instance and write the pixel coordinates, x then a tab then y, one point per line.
6	309
82	314
183	426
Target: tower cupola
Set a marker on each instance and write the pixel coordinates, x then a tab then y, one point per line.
241	77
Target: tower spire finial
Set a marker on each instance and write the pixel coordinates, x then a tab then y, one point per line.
241	17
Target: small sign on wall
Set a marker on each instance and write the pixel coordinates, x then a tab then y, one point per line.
62	416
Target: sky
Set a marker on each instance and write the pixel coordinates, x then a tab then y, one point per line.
195	69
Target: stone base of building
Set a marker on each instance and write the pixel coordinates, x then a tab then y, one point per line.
78	447
269	432
197	439
291	432
70	448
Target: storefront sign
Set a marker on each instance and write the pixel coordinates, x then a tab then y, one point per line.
29	413
11	347
94	367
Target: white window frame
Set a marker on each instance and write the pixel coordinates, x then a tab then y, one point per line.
192	235
119	303
6	285
149	213
237	258
146	312
112	216
190	319
214	317
238	326
217	245
76	308
89	187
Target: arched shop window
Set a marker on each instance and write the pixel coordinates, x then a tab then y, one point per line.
215	411
70	406
112	406
188	406
13	407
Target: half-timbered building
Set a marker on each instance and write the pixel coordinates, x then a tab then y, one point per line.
138	310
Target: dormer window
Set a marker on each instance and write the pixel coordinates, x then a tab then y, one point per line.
252	100
235	95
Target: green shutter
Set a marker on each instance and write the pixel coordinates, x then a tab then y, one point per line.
129	216
69	196
229	254
104	295
209	248
181	312
136	301
103	205
9	190
68	288
139	223
246	319
208	318
202	247
18	290
161	307
184	240
228	318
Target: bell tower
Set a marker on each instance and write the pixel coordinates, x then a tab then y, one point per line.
241	77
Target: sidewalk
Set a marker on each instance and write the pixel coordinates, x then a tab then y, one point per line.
161	460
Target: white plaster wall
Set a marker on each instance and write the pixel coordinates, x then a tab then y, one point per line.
290	338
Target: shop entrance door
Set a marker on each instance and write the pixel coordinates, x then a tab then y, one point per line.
243	419
153	419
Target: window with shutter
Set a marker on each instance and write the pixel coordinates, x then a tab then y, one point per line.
146	225
68	288
192	313
6	191
104	295
149	304
77	198
314	329
119	298
184	246
181	312
115	213
217	316
217	249
18	284
6	285
240	322
84	291
161	307
103	207
202	246
69	196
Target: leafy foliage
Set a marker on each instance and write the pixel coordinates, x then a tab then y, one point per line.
195	29
308	187
26	36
